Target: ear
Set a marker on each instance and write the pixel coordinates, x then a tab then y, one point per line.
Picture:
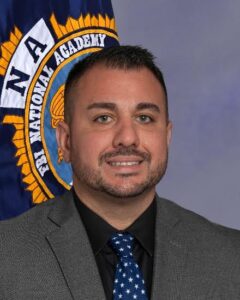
169	132
63	139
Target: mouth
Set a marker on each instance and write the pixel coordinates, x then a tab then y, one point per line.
124	163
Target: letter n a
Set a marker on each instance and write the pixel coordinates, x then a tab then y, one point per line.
33	46
20	77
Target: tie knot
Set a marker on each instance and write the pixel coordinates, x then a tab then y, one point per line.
122	244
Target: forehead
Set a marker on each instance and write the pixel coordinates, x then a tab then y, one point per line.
119	86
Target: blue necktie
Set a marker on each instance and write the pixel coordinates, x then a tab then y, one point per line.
129	282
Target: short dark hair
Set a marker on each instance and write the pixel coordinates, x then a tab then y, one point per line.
117	57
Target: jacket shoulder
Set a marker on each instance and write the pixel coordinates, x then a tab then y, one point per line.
34	218
202	228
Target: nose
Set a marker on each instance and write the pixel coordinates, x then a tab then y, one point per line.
126	135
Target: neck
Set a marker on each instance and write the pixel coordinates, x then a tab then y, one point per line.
120	213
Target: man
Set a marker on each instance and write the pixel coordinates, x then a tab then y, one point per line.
112	237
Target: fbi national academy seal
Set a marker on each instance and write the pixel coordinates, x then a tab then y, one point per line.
35	67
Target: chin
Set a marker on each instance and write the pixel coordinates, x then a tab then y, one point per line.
126	190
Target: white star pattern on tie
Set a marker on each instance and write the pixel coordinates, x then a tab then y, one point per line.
129	283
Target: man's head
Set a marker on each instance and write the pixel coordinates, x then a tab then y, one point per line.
117	131
119	57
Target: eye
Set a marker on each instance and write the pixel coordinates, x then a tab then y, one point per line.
145	119
104	119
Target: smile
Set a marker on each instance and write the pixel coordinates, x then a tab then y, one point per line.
124	163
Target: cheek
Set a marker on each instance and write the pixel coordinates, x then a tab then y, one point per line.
89	146
155	143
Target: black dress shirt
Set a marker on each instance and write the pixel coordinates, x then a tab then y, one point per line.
100	232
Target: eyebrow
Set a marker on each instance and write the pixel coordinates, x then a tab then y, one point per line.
103	105
148	105
112	106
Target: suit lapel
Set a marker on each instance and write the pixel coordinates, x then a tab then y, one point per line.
72	249
170	254
70	244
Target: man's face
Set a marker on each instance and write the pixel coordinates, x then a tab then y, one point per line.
117	137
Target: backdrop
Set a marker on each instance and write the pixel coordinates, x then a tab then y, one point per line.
197	45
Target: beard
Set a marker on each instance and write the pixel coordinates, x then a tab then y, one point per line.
96	181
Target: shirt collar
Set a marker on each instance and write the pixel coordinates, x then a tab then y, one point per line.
143	228
99	231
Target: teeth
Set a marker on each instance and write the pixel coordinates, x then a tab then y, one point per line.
124	163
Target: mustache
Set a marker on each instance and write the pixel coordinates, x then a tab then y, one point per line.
127	151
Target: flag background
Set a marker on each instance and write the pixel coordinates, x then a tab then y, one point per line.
197	44
40	41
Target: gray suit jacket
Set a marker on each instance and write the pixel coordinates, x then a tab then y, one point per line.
45	254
